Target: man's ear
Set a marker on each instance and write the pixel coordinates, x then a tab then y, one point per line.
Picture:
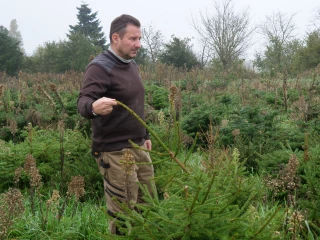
115	37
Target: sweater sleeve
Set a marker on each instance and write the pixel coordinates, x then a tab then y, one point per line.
96	83
147	136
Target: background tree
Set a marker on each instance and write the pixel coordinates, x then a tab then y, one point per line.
11	57
316	20
48	58
206	53
309	55
179	53
142	57
89	26
153	42
271	62
79	50
278	31
15	33
226	32
62	56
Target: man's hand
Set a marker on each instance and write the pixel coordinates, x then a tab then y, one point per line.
103	106
148	144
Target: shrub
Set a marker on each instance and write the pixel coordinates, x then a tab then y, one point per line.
59	154
200	118
157	97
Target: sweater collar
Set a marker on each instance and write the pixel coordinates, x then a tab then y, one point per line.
120	58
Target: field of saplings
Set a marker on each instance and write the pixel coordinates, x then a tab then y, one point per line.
236	156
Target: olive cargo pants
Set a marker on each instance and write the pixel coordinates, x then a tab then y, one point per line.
122	170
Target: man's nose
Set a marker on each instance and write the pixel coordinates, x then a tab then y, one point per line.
138	44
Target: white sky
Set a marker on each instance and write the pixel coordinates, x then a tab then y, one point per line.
43	20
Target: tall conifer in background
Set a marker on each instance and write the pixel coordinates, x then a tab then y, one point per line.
11	56
15	33
89	26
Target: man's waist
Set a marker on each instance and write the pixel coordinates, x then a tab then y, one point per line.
115	146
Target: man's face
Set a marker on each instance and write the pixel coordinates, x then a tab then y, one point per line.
127	47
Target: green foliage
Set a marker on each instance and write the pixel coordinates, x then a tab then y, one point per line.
157	97
271	163
210	203
142	57
89	26
11	56
309	171
79	50
248	129
295	181
216	186
200	118
47	58
250	121
42	108
85	41
272	99
59	155
61	56
179	54
293	57
311	189
79	221
279	57
15	33
309	55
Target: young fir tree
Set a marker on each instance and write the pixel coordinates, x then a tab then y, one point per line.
88	25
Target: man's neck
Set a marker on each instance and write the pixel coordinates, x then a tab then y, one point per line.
120	58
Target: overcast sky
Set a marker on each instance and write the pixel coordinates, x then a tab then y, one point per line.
44	20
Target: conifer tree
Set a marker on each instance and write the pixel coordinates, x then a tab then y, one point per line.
11	56
179	53
89	26
15	33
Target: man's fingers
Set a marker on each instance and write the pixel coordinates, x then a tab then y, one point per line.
103	105
110	101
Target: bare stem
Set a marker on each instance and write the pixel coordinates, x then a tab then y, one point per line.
171	154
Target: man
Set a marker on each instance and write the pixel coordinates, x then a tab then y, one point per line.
111	76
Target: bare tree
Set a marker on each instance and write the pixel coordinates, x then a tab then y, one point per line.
205	53
226	32
278	30
316	20
153	41
278	26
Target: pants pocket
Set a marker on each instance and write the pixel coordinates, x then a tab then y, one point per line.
103	165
